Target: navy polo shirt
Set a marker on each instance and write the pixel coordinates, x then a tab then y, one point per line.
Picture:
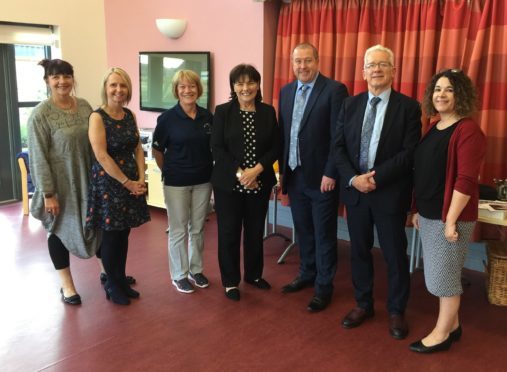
185	143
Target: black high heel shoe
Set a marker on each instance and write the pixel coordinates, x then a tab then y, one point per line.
72	300
129	292
130	279
116	295
455	335
419	347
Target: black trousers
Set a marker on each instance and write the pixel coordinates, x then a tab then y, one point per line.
236	212
362	218
114	249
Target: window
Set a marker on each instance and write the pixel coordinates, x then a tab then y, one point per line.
31	87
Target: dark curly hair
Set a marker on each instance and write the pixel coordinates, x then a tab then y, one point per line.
245	70
465	94
56	67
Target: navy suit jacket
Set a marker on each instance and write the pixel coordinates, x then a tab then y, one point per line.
395	153
316	131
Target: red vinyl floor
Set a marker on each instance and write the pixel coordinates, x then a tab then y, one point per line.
168	331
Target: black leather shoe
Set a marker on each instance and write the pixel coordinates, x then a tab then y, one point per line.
456	334
419	347
259	283
72	300
398	327
296	285
130	279
233	294
318	303
356	317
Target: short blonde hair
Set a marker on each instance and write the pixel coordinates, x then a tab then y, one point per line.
379	48
126	78
189	76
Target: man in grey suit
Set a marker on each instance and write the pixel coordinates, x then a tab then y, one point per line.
307	114
377	133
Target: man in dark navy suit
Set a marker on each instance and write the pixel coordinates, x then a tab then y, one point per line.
308	114
378	131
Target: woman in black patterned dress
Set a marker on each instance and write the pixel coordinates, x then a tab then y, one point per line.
117	192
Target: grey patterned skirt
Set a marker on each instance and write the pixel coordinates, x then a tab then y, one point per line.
443	261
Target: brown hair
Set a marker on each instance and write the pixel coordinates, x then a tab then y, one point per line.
56	67
245	70
465	95
307	46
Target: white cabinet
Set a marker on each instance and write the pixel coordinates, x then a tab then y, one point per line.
155	196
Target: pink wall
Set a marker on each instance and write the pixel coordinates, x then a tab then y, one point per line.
232	30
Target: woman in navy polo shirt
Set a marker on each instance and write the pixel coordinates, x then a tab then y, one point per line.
181	148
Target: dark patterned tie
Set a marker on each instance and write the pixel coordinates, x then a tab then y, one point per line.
297	115
366	135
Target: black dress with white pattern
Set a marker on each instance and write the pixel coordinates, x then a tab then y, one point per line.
110	204
249	156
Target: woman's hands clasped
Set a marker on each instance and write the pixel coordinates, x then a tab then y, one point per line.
136	188
248	176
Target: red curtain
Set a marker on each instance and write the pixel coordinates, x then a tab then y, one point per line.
425	36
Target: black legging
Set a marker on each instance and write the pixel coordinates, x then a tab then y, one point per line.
113	249
58	253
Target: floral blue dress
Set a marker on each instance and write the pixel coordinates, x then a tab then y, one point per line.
110	204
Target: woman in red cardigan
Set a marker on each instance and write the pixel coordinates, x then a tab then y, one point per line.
447	163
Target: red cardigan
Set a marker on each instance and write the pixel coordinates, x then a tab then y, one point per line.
467	148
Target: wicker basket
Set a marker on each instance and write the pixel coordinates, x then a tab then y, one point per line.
497	270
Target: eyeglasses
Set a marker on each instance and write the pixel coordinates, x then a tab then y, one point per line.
381	65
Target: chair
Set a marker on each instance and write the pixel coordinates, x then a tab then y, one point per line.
27	187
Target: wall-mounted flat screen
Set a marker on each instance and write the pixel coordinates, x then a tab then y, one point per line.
156	71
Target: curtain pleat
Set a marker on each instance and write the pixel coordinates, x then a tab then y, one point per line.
425	36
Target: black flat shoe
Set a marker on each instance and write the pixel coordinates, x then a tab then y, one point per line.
456	334
233	294
72	300
259	283
419	347
130	279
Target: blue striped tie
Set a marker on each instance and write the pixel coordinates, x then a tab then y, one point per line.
297	115
366	135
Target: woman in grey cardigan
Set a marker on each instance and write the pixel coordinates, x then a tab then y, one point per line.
60	162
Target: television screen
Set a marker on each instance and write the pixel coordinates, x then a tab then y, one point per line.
156	70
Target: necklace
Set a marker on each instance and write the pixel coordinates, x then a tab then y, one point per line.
67	108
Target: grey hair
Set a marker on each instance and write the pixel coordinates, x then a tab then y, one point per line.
379	48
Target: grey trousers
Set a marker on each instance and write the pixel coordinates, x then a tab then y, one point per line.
186	209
